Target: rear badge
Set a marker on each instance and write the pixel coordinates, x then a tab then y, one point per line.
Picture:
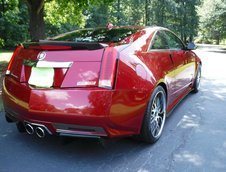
85	83
41	55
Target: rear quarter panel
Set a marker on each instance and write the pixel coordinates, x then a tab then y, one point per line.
134	83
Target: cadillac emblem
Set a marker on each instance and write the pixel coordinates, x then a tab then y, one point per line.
41	55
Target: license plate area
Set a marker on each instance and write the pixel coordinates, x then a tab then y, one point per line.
41	77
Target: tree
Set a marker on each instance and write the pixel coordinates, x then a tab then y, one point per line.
212	20
61	16
98	16
36	23
137	12
178	15
13	23
189	19
127	12
146	17
37	11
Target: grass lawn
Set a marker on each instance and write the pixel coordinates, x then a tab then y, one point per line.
4	59
5	55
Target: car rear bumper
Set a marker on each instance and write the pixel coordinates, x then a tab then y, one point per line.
83	112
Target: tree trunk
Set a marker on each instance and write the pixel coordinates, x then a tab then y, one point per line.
218	41
162	13
3	7
36	24
118	12
146	13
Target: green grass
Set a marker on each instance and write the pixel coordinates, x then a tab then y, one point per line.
5	56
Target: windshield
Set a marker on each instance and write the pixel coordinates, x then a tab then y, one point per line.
99	35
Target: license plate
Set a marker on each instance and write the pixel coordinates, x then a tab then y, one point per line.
41	77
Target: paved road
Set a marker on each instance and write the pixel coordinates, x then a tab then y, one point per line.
194	138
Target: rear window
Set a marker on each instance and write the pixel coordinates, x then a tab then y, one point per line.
99	35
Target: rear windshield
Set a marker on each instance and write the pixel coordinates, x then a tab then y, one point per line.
99	35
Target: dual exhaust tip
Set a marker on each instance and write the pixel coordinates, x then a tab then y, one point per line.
39	131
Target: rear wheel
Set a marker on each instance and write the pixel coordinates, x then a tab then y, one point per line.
155	115
196	85
8	119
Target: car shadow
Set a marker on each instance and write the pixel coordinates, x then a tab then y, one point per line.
93	149
81	154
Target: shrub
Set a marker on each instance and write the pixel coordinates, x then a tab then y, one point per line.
2	43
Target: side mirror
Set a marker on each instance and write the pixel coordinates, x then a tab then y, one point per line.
191	46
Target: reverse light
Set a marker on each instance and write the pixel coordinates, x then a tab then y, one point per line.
108	68
16	52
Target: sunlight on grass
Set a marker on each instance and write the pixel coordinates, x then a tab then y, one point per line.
4	59
5	55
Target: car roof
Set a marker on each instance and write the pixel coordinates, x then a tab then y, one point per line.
154	28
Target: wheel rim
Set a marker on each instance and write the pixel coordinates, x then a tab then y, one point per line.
158	113
198	78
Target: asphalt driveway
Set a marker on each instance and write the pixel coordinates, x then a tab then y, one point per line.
193	139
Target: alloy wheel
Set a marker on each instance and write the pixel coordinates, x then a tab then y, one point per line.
158	114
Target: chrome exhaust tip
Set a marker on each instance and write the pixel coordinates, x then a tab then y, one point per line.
40	132
29	129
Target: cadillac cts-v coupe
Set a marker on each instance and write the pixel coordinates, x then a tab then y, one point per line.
101	82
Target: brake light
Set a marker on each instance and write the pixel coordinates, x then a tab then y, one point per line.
108	68
16	52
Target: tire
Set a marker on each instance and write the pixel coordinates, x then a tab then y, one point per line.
20	127
8	119
154	117
196	85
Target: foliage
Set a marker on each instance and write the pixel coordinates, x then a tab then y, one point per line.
61	17
58	12
13	23
2	43
185	17
97	16
180	16
212	20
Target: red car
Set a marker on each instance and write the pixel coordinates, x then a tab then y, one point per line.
102	82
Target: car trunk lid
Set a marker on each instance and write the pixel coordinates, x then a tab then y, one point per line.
47	64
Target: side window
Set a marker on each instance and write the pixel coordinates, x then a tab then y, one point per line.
159	42
173	41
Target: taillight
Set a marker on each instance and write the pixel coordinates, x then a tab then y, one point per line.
108	68
16	52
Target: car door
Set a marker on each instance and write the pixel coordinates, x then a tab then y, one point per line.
160	61
184	66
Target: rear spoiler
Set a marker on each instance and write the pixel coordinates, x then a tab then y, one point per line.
73	45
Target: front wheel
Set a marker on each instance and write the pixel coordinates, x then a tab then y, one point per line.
196	85
155	115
